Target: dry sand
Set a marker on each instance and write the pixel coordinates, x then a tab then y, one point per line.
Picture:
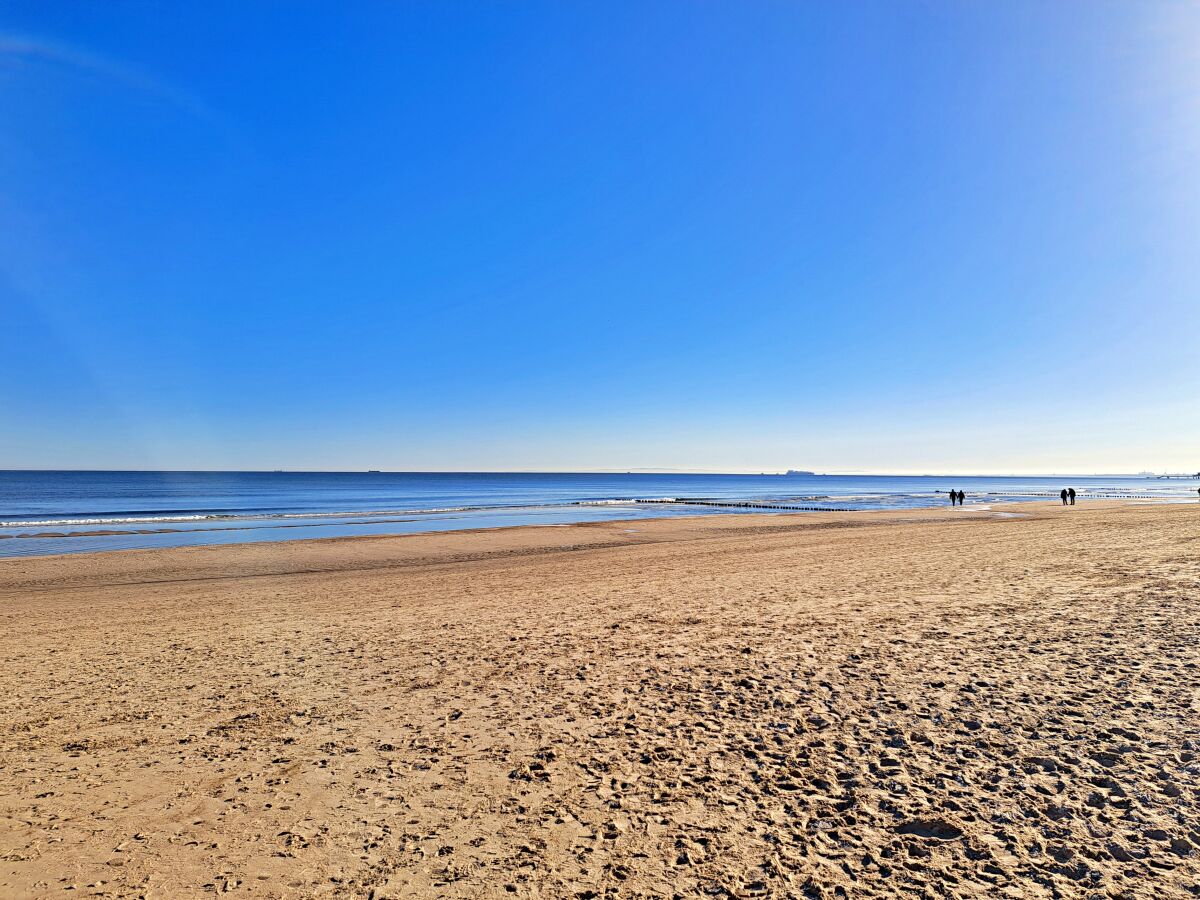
942	704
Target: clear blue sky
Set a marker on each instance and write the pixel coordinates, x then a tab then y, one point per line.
847	237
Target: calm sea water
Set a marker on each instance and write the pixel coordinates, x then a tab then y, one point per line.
63	512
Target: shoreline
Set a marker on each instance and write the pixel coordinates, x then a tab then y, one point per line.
1011	508
64	512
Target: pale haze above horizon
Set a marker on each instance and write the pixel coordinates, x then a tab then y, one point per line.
880	237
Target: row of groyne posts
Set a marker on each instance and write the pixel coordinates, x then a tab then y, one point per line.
700	501
1081	496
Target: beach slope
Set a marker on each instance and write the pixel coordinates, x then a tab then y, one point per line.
941	703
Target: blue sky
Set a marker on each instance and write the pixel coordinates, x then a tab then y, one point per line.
901	237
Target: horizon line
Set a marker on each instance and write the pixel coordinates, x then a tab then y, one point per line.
643	470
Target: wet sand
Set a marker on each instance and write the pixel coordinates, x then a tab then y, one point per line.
945	703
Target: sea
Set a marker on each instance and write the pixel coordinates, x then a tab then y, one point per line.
50	512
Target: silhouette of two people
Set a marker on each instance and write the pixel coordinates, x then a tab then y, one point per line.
1068	496
957	497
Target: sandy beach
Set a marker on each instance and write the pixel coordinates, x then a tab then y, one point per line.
945	703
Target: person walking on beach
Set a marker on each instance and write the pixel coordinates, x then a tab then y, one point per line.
1071	494
961	498
1063	494
953	498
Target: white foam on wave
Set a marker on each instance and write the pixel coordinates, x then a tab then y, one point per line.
127	520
